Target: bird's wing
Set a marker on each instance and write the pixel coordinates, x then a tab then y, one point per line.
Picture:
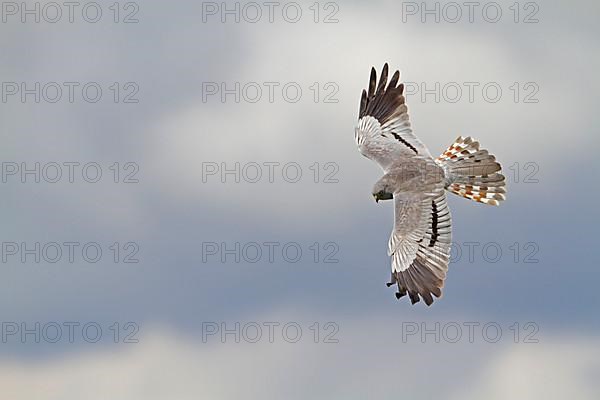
420	244
383	133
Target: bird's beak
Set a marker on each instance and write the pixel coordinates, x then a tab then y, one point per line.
376	198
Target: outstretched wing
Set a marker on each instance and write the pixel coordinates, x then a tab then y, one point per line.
420	245
383	133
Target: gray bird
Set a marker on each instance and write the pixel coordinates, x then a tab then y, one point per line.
420	243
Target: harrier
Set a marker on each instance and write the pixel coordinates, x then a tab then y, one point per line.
420	242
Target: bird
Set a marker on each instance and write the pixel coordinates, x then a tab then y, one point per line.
421	239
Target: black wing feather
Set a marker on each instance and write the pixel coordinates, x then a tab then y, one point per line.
380	102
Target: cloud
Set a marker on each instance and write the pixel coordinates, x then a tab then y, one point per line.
563	368
368	361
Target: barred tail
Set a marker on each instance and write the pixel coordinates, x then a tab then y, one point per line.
472	173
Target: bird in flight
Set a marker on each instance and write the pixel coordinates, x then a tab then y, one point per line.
420	242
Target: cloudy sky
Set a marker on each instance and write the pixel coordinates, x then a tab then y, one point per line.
181	178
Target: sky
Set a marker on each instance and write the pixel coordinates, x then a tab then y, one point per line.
186	214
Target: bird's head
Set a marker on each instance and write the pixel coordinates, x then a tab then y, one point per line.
382	195
382	191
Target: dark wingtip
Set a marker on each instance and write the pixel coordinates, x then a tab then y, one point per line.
372	82
382	80
428	300
383	103
414	298
363	104
394	81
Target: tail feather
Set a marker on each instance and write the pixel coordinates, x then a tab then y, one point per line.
472	173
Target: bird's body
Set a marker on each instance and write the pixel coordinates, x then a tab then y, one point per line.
420	242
